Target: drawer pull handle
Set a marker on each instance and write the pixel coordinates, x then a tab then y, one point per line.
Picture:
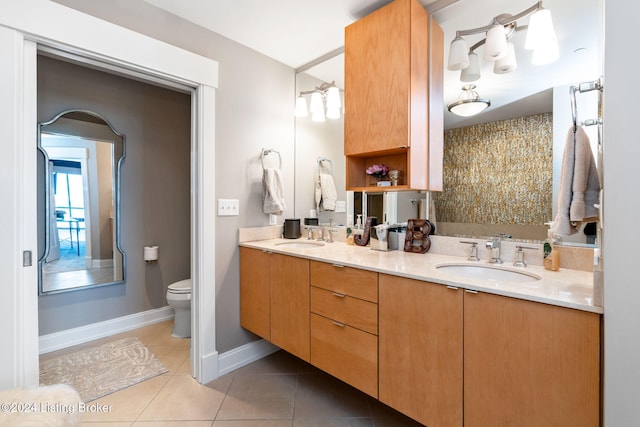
338	323
267	251
338	265
455	288
336	294
471	291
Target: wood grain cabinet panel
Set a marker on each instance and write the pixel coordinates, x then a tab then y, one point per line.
529	364
255	299
274	299
346	353
421	350
354	282
393	96
342	308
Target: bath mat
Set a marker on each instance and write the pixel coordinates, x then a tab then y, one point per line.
98	371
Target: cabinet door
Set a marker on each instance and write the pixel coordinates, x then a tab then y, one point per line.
255	313
421	350
290	304
377	81
529	364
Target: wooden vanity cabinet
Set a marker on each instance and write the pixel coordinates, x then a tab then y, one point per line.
344	324
421	350
394	97
529	364
274	299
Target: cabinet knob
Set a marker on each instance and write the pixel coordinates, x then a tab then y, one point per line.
337	294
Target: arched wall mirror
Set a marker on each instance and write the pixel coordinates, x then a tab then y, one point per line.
79	160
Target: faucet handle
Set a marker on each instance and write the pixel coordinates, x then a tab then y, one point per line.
519	262
473	253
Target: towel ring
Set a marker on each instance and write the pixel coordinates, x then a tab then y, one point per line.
322	159
266	152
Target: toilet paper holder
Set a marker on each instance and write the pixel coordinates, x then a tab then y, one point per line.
150	254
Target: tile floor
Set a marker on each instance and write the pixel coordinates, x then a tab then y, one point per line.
277	391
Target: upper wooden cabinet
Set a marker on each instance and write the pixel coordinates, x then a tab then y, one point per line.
393	96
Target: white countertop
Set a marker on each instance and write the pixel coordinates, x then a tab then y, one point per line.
565	288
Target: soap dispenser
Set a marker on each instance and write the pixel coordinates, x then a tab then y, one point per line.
551	253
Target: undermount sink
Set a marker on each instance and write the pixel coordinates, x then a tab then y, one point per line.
301	245
488	272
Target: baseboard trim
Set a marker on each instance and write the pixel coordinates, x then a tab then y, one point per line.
243	355
82	334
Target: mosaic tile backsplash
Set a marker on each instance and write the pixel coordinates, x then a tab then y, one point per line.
498	172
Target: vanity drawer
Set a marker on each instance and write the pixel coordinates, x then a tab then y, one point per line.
346	353
357	283
342	308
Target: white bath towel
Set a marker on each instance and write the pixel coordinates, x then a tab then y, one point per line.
273	192
326	193
579	185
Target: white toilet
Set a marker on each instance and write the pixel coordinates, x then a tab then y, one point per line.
179	297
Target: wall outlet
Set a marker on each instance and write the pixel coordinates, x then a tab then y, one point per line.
341	206
228	207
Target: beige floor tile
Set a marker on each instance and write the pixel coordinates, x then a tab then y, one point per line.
107	424
253	423
172	424
171	357
183	399
333	422
384	416
127	404
321	396
279	362
264	396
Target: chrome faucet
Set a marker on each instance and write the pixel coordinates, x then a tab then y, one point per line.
310	230
473	253
494	246
519	262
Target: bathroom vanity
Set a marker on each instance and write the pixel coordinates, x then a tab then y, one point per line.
441	348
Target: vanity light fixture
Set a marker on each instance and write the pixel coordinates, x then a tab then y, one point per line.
541	38
468	103
323	97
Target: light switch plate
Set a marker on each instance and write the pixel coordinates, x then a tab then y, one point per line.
228	207
341	206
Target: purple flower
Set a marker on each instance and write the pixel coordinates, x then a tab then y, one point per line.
377	170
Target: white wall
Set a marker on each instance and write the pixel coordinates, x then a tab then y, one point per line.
254	109
621	205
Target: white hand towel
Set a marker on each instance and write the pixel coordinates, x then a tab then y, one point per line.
329	193
273	192
579	185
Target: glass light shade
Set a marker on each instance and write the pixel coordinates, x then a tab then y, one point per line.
472	72
333	99
458	54
495	46
540	30
545	54
317	116
333	113
301	106
508	63
468	103
316	103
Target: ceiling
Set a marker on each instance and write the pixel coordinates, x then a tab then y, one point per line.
297	32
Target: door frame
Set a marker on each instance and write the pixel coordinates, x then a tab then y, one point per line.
26	27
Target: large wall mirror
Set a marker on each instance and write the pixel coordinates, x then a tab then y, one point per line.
79	162
545	96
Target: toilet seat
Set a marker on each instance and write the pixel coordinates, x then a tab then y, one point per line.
181	287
